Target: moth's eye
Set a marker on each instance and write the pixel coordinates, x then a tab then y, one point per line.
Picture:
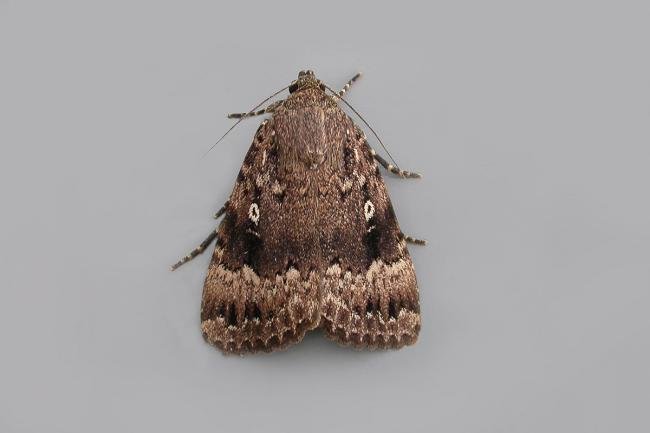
254	213
368	210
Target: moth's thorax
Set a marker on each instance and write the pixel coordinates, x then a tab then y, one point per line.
309	95
309	132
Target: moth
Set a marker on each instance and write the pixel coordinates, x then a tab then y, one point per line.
309	238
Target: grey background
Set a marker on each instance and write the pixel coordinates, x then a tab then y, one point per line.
529	121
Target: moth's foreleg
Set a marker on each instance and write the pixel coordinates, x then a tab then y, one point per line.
412	240
196	251
222	210
266	110
251	114
390	167
349	84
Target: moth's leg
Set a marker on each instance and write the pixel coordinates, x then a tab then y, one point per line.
349	84
222	210
196	251
412	240
390	167
251	114
266	110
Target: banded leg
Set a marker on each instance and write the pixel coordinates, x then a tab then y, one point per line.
222	210
390	167
349	84
268	109
412	240
196	251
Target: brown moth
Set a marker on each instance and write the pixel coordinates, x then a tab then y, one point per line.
309	238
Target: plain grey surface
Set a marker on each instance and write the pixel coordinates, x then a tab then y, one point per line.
529	121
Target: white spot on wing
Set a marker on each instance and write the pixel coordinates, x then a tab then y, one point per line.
254	213
369	210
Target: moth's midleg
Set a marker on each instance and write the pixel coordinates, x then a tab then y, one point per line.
412	240
390	167
196	251
222	210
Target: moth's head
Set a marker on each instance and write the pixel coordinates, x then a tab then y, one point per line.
306	80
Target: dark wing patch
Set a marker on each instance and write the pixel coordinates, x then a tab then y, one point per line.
253	297
370	290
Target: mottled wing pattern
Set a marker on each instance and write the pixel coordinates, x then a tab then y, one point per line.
370	291
256	296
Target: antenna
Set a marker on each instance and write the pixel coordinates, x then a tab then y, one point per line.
242	118
364	121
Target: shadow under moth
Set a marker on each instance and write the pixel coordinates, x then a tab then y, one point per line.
309	238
